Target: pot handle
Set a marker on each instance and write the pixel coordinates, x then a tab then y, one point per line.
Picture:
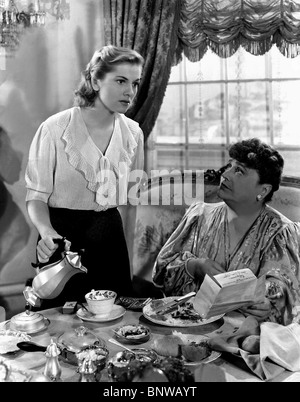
31	347
61	246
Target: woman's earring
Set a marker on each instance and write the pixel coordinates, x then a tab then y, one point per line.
258	198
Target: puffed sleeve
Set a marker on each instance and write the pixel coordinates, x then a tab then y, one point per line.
169	272
281	265
40	166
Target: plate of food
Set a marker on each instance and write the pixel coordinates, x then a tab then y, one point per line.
9	340
192	350
183	315
132	333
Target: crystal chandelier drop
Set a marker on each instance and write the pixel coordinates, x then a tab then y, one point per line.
13	22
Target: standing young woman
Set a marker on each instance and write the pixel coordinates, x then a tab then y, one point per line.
79	163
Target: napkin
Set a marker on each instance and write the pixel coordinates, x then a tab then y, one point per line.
279	348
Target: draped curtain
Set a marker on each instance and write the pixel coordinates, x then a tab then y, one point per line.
163	30
150	27
224	25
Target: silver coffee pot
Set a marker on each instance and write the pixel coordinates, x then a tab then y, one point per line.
52	278
47	284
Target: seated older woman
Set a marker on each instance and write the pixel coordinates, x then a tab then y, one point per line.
243	231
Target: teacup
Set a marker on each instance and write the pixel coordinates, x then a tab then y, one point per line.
100	302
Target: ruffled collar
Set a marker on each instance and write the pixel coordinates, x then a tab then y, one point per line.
85	156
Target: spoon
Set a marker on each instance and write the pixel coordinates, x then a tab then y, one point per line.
31	347
84	307
122	346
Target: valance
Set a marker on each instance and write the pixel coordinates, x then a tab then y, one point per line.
224	25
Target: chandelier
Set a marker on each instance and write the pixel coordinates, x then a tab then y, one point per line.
13	22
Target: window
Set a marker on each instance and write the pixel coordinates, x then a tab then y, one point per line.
214	102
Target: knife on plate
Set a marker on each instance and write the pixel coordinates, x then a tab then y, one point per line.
172	305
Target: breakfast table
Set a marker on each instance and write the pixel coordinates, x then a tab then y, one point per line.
60	323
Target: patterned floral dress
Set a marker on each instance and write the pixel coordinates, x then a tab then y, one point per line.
271	247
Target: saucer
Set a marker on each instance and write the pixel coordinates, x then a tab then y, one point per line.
117	312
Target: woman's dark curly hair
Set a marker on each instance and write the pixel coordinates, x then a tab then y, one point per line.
102	62
268	162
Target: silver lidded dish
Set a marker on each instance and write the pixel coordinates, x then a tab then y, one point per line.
29	322
80	339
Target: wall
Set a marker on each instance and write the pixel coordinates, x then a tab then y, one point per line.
35	82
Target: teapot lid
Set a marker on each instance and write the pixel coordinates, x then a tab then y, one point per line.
78	338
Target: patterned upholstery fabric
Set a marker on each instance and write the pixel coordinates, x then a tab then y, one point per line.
155	223
287	201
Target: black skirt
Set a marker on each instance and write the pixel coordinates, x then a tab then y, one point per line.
101	236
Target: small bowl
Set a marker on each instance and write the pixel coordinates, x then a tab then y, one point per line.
145	355
100	302
132	333
124	366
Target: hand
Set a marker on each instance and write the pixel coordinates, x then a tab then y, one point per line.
199	267
260	311
46	246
